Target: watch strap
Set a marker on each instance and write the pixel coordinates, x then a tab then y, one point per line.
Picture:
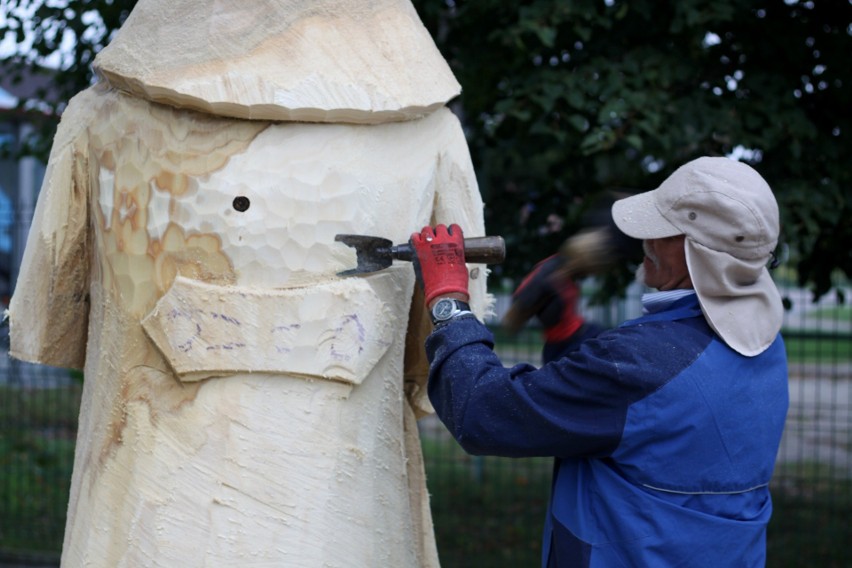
457	316
460	308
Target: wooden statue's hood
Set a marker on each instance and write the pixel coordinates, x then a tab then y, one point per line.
355	61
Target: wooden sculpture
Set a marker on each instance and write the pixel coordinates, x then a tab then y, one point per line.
243	404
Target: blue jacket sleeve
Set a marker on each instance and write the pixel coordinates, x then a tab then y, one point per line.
574	406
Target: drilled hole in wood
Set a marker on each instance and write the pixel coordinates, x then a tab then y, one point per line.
241	203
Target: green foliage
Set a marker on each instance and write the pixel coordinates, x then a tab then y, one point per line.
565	99
39	27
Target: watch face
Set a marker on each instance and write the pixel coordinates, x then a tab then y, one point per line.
443	309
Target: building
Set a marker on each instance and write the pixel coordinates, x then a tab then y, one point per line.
20	177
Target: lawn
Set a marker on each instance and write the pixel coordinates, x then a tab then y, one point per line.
810	523
37	435
810	348
833	314
486	511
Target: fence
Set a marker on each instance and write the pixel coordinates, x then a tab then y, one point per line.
488	512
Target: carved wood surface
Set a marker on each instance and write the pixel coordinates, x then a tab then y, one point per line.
293	460
353	61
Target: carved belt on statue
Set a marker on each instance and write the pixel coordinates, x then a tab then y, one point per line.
335	330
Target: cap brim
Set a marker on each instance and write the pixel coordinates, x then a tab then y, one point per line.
637	216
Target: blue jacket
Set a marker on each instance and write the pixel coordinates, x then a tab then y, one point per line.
664	438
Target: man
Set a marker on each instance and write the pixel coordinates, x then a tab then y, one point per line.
665	429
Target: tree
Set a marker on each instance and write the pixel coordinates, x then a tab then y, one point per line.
76	31
563	100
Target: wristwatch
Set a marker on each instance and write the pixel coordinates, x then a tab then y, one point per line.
449	308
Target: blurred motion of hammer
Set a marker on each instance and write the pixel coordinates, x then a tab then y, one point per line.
596	248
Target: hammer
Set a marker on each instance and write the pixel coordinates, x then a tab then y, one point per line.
377	253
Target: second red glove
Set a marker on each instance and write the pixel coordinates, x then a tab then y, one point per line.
549	296
439	261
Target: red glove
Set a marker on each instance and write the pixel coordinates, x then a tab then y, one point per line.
439	261
550	295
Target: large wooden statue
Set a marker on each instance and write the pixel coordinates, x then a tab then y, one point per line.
244	405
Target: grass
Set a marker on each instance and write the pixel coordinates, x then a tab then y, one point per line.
486	511
810	521
34	487
834	313
830	350
37	435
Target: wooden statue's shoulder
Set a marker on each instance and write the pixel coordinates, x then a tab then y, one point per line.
81	111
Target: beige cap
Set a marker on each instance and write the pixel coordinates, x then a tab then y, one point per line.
731	222
349	61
